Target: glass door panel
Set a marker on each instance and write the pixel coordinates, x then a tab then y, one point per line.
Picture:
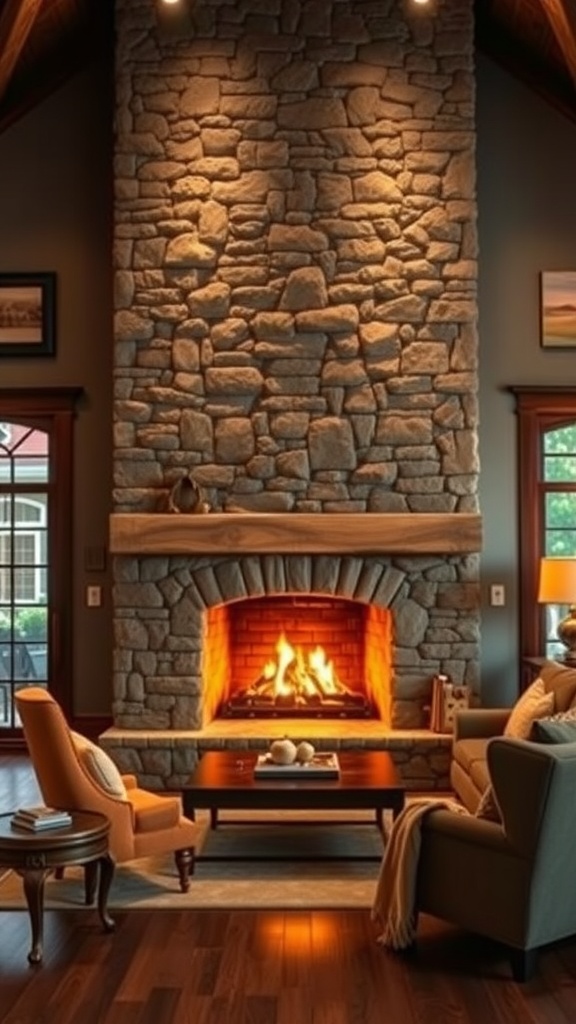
25	499
559	518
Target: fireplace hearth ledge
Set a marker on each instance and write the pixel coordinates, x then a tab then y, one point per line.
298	533
162	760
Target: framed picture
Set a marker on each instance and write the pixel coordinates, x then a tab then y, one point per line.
27	314
559	309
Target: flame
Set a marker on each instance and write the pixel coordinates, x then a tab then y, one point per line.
298	681
298	672
286	656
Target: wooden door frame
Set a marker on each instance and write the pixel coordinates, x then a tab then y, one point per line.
53	409
538	408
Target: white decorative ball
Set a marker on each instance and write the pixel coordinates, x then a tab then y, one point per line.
283	751
304	752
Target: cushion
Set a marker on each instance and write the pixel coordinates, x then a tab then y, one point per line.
488	807
153	811
559	728
534	703
479	774
99	766
560	680
467	752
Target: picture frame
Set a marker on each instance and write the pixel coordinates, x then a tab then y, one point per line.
558	309
28	314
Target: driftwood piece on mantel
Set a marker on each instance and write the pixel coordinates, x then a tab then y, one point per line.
416	533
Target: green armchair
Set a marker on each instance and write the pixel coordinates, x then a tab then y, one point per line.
512	881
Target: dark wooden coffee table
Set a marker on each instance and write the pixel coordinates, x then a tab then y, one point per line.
224	780
34	855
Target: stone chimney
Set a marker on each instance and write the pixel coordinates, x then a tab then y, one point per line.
296	277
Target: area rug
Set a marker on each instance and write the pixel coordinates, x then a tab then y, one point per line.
281	862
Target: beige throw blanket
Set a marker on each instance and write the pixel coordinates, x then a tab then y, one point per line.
393	908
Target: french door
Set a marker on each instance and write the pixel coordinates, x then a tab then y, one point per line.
35	546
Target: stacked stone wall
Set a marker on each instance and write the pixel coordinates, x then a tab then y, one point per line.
295	257
295	302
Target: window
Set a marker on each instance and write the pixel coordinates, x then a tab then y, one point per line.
559	515
24	458
23	549
35	537
547	504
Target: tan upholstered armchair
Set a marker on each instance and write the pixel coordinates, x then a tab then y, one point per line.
75	774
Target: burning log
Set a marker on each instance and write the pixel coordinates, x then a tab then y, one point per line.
298	682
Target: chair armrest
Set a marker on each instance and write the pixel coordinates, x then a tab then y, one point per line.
480	723
130	781
466	828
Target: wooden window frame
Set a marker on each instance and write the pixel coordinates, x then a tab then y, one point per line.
538	409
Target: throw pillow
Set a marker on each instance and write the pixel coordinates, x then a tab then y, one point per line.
488	807
534	703
99	766
559	728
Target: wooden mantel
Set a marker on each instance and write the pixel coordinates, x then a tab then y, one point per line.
295	533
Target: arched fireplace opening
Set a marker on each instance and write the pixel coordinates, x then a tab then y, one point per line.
296	655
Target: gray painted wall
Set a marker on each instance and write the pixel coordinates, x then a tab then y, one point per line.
526	160
55	214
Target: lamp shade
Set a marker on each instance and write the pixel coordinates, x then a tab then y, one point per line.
557	581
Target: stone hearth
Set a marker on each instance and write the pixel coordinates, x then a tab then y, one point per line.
164	758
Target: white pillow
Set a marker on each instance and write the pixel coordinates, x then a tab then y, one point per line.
99	766
534	703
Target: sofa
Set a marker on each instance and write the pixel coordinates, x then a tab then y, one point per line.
473	729
543	713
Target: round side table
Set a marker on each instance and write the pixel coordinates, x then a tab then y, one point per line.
33	855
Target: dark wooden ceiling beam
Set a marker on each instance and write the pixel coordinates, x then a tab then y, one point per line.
16	20
562	18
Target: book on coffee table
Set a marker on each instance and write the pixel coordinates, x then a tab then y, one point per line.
322	765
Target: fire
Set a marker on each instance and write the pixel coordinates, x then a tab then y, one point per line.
297	682
300	675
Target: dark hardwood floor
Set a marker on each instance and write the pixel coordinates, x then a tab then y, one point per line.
268	967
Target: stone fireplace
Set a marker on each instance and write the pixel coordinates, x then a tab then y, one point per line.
295	266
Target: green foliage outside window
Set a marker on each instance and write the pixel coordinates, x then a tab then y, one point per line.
30	624
559	467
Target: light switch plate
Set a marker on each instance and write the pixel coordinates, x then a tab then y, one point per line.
93	596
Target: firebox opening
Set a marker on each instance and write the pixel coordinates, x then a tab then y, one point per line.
296	656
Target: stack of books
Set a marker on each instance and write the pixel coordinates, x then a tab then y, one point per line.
36	819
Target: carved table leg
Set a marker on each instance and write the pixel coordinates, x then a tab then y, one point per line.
185	865
106	864
91	880
34	879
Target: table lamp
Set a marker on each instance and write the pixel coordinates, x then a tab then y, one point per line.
558	586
